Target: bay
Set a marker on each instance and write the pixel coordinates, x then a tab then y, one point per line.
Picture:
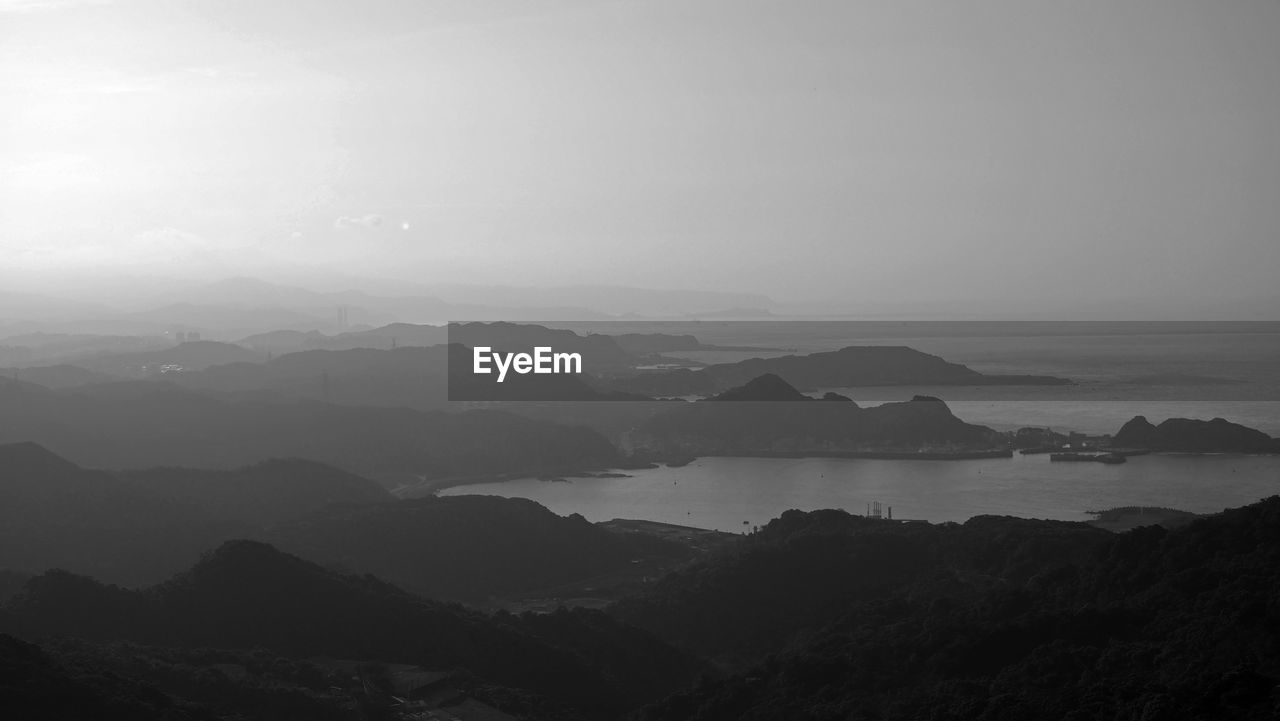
735	494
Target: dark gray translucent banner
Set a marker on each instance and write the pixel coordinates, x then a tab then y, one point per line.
865	360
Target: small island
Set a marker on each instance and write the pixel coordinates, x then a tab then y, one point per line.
1186	435
767	417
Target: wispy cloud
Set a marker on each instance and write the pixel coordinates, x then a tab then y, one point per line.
98	83
220	73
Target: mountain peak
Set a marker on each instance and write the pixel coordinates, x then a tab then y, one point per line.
767	387
237	565
28	458
243	551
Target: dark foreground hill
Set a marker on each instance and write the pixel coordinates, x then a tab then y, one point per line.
249	595
767	414
803	571
820	615
35	686
841	618
140	527
266	493
461	547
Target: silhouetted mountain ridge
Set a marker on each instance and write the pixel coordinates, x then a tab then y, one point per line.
993	619
802	571
20	460
139	526
141	424
247	594
189	356
767	414
852	366
458	547
264	493
768	387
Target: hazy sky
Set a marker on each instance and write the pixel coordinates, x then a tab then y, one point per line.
1024	151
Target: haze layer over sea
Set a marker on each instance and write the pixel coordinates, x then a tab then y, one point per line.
1120	369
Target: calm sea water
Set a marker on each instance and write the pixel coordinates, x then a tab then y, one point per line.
1220	370
733	494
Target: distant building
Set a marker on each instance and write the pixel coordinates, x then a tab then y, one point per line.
1038	438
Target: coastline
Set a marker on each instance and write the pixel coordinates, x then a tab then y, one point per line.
430	487
877	455
434	486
